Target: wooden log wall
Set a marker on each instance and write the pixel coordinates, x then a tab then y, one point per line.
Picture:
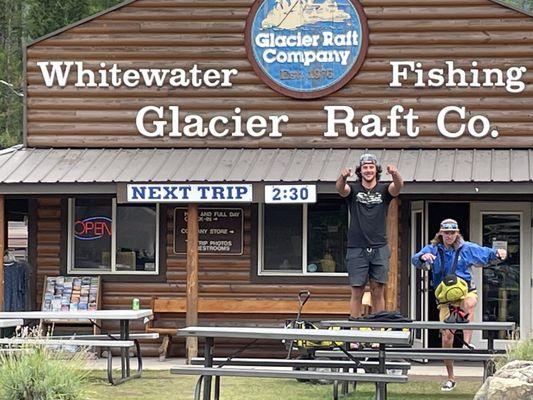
209	33
48	242
220	277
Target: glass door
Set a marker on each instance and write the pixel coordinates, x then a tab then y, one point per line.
419	280
504	289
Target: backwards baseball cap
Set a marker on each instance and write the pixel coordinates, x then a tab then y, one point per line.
368	158
449	225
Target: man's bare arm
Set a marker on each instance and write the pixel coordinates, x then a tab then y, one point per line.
342	187
397	180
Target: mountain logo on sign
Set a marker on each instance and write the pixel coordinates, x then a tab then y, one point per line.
299	13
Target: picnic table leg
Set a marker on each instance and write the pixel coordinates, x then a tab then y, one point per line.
208	362
345	384
381	387
124	352
217	387
198	388
488	365
110	378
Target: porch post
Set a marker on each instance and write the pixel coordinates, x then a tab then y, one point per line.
191	318
391	293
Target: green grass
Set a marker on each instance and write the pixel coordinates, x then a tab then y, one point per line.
161	385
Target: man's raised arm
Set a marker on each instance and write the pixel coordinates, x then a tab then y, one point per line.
342	187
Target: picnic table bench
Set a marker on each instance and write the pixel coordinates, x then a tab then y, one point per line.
123	341
369	367
301	363
11	323
486	355
210	369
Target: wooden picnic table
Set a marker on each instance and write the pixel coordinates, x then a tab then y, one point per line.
490	326
123	316
253	333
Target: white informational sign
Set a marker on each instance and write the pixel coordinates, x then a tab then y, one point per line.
183	193
293	194
499	244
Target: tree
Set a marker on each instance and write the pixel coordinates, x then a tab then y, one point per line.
11	35
20	22
45	16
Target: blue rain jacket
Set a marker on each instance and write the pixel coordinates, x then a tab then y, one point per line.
471	254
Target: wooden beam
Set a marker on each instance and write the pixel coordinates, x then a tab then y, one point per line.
2	248
191	318
391	292
264	306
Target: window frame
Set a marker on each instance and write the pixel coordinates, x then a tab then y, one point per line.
71	269
261	248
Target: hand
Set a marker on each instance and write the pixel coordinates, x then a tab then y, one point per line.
346	173
428	257
391	170
502	254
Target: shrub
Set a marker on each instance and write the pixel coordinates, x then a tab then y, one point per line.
521	350
40	373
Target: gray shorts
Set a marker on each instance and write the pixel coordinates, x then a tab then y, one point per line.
370	263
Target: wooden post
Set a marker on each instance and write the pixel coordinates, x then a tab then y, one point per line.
191	318
391	293
2	241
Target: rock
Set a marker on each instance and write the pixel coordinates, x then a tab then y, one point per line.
513	381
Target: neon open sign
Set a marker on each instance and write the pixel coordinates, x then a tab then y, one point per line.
92	228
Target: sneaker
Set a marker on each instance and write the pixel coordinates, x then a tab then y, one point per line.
469	346
448	386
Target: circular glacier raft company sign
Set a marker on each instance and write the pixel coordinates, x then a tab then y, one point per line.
306	48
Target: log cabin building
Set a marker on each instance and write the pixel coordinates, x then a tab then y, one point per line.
157	118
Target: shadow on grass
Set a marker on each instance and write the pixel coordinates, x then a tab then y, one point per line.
161	385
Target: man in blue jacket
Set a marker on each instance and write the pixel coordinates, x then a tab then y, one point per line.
444	245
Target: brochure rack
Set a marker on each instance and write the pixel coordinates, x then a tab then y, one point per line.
71	293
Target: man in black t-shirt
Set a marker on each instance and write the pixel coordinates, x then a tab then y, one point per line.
368	252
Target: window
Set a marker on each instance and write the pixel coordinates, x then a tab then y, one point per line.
303	239
283	238
327	225
108	238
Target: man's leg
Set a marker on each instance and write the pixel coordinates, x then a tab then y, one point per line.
447	339
379	276
468	305
357	265
447	343
356	301
377	290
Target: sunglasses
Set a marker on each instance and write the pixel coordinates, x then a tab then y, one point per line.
449	227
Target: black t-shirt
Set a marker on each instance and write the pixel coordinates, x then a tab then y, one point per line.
368	213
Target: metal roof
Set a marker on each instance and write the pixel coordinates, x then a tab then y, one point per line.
35	165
